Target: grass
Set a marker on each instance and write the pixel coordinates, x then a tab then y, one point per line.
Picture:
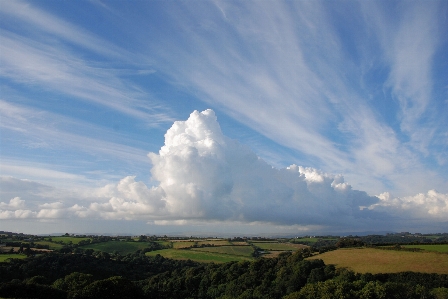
243	243
199	256
122	247
363	260
271	241
5	257
52	246
164	243
190	243
66	240
279	246
231	250
215	242
308	240
443	248
183	244
311	240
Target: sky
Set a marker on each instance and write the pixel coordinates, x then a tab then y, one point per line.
223	117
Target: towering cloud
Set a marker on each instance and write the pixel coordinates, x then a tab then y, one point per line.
201	175
205	175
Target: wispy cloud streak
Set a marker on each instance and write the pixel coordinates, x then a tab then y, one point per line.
32	63
409	44
42	21
33	131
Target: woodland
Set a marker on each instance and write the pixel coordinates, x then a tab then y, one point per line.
71	273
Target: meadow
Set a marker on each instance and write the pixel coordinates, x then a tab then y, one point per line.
370	260
121	247
183	244
275	246
190	243
198	255
164	243
223	250
305	240
4	257
51	245
214	242
442	248
66	239
230	250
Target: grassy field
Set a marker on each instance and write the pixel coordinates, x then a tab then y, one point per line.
122	247
307	240
4	257
215	242
278	246
231	250
183	244
53	246
190	243
164	243
66	240
363	260
443	248
199	256
239	243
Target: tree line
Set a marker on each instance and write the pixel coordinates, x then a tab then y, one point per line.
289	276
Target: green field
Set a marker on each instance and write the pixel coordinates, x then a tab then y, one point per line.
305	240
4	257
277	246
199	256
443	248
122	247
53	246
183	244
370	260
67	240
231	250
257	241
215	242
164	243
239	243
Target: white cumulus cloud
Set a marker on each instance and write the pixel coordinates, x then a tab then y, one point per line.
423	205
206	175
201	176
14	203
15	209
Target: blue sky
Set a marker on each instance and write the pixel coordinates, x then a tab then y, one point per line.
236	116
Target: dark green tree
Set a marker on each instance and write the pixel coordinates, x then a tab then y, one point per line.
73	282
112	288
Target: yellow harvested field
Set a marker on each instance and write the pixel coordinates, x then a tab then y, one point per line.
7	249
240	243
273	246
363	260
